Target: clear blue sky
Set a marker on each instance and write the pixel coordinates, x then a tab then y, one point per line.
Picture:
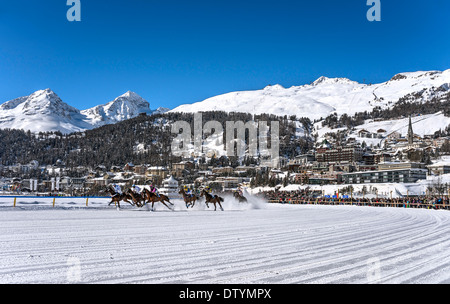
175	52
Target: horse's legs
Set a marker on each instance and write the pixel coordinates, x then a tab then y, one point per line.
220	205
168	201
166	205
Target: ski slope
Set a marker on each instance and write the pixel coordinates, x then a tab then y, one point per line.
253	243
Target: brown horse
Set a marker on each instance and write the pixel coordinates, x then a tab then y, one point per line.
153	198
118	197
189	199
212	199
137	198
240	198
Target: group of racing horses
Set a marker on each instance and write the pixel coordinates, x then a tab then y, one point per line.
147	197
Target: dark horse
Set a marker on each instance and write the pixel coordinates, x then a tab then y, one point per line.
240	198
189	199
212	199
118	197
137	198
152	197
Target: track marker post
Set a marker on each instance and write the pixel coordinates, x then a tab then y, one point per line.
15	199
54	202
87	199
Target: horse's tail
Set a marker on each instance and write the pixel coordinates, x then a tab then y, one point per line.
220	199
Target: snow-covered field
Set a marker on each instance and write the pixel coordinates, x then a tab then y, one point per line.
252	243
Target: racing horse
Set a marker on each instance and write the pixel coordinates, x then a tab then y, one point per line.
137	198
212	199
118	197
153	198
239	197
189	199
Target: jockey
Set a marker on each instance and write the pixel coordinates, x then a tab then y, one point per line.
136	189
188	190
240	192
208	189
154	190
117	189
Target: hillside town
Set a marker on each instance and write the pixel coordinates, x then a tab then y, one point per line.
336	160
398	158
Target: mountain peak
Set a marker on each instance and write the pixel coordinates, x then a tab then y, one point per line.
126	106
44	110
322	97
415	75
274	87
132	97
326	80
46	102
44	93
130	94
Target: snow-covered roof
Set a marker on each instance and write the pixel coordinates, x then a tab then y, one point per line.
170	180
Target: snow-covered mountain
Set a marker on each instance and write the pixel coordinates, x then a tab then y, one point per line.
124	107
44	111
326	96
41	111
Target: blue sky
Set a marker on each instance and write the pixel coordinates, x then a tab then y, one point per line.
177	52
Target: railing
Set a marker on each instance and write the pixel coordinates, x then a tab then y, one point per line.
65	201
394	204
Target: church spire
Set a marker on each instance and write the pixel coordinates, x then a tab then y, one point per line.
410	132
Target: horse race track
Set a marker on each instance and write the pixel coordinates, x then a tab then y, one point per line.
253	243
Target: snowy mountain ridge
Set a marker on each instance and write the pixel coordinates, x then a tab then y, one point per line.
326	96
44	111
124	107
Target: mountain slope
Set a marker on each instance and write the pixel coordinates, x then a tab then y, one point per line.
44	111
40	112
124	107
324	96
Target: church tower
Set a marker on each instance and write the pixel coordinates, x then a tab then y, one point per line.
410	133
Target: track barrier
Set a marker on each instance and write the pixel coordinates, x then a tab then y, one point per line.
49	199
395	204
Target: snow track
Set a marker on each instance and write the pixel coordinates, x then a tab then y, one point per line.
253	244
